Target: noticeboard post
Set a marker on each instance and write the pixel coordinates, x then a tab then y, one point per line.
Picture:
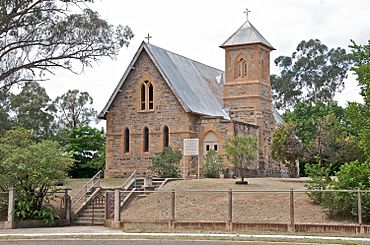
191	148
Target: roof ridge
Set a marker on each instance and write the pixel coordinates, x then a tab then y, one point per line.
184	57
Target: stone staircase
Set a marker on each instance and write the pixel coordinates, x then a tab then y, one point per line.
94	210
93	213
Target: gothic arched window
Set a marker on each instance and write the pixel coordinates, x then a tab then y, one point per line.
142	96
150	92
166	138
127	140
146	96
241	68
245	69
146	140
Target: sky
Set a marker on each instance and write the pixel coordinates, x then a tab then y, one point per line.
196	29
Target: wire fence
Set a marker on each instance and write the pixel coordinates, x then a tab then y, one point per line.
247	206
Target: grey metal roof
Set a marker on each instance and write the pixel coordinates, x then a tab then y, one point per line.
278	118
246	34
195	84
198	87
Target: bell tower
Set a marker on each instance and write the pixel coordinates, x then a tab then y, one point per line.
247	88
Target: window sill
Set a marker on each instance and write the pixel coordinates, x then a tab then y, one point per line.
146	111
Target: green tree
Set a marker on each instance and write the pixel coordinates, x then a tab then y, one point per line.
332	143
39	35
88	147
5	121
359	114
242	152
325	131
305	115
33	110
287	147
166	163
31	167
212	166
75	109
312	73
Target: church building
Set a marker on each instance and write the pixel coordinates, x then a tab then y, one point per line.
164	98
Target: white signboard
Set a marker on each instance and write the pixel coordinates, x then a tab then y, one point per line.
191	147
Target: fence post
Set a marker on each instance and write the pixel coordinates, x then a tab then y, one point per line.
117	209
173	209
106	203
291	226
68	204
9	224
230	211
359	210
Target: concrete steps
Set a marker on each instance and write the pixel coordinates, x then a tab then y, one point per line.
95	214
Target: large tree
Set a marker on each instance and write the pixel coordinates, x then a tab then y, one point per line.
312	73
287	147
88	147
39	35
5	122
32	109
75	109
359	114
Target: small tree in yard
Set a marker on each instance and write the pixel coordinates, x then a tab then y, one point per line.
242	152
166	163
31	167
212	167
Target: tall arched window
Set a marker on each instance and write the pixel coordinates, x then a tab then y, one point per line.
146	96
146	140
127	140
166	139
142	96
150	92
241	68
245	69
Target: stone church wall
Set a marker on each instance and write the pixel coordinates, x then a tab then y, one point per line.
124	113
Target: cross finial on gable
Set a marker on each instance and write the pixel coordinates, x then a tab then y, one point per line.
148	37
247	11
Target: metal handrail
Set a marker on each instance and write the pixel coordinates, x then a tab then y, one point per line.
129	179
85	188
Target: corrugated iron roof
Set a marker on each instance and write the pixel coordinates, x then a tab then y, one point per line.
198	87
194	83
246	34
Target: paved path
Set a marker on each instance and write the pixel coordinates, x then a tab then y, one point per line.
97	232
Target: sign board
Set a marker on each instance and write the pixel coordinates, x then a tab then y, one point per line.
191	147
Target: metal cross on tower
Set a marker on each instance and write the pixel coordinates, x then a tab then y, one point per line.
148	37
247	11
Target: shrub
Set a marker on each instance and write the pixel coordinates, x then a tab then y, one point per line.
352	176
319	180
212	167
166	163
